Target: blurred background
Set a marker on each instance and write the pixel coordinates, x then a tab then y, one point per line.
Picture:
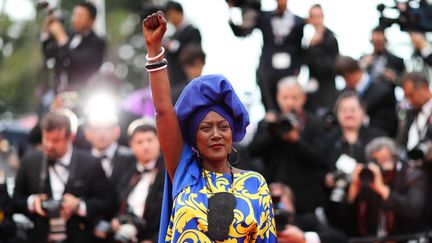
23	76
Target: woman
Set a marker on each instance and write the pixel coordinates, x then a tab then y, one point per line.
206	198
346	141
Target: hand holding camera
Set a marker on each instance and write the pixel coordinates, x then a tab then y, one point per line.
370	176
38	199
378	184
69	206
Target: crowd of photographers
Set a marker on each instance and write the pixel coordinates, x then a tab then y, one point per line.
341	164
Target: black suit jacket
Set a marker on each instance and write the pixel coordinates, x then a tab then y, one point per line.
299	165
86	180
79	63
392	62
185	36
149	229
380	102
405	203
267	75
122	161
321	59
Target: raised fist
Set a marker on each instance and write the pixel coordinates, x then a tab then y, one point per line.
154	27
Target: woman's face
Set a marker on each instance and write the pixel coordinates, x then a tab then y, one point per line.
350	113
214	138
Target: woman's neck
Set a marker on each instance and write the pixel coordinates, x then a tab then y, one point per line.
218	167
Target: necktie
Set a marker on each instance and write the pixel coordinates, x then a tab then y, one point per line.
136	177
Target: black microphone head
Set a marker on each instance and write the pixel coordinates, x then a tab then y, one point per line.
220	215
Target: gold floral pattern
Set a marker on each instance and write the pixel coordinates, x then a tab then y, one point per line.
253	216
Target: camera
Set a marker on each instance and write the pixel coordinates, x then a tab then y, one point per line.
421	151
128	229
284	123
414	15
366	175
254	4
282	216
57	225
341	182
52	207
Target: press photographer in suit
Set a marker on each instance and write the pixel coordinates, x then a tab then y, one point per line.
141	187
61	189
282	54
386	195
78	55
290	145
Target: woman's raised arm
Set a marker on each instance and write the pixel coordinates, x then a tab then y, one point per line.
170	137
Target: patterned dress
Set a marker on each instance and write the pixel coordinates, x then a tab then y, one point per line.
253	215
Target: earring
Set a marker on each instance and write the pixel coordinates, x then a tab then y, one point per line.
233	156
196	151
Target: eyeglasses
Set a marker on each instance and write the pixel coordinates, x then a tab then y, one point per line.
220	212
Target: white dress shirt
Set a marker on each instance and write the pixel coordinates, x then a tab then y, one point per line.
420	124
106	163
59	174
137	197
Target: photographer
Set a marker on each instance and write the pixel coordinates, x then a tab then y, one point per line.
386	196
422	56
289	144
320	56
382	65
298	229
185	34
378	97
77	56
140	190
345	148
282	54
417	132
61	189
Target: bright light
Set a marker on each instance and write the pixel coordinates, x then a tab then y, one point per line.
101	107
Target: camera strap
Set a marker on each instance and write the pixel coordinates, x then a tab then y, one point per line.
43	175
57	174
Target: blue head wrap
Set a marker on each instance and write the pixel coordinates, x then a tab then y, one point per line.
210	93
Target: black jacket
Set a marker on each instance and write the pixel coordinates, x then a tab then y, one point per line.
405	204
380	103
122	161
79	63
86	180
321	59
336	145
185	36
299	165
149	227
267	75
7	225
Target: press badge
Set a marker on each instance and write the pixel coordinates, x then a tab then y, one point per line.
281	60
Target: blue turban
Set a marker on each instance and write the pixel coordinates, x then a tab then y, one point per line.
210	93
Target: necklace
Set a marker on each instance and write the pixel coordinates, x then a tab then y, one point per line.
207	175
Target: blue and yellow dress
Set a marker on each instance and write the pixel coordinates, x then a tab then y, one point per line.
253	215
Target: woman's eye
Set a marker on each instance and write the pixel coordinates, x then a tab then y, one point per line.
224	127
205	128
